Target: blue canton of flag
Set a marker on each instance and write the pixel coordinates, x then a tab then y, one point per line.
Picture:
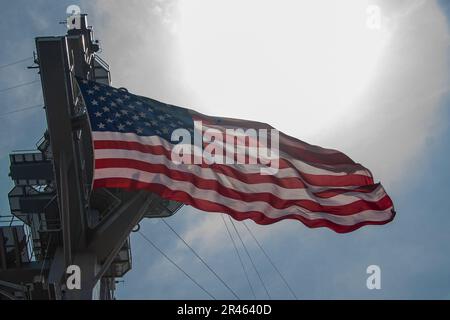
117	110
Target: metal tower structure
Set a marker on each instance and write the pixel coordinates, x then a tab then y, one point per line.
62	221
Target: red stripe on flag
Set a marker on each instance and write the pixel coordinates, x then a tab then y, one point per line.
317	180
205	205
276	202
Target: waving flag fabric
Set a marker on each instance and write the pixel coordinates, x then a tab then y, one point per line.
133	149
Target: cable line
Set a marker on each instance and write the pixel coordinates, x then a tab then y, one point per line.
15	62
19	86
176	265
20	110
251	260
239	256
271	262
45	256
200	258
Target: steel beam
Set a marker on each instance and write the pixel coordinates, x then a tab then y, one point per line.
108	237
53	56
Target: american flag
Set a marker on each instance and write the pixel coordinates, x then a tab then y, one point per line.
319	187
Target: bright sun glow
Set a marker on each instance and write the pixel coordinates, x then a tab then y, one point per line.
308	61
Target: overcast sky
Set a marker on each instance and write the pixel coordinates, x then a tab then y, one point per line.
314	70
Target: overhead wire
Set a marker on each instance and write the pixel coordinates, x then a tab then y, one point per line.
16	87
19	85
45	256
250	258
240	258
15	62
176	265
21	109
201	259
271	261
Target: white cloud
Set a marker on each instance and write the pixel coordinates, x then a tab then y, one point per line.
400	109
